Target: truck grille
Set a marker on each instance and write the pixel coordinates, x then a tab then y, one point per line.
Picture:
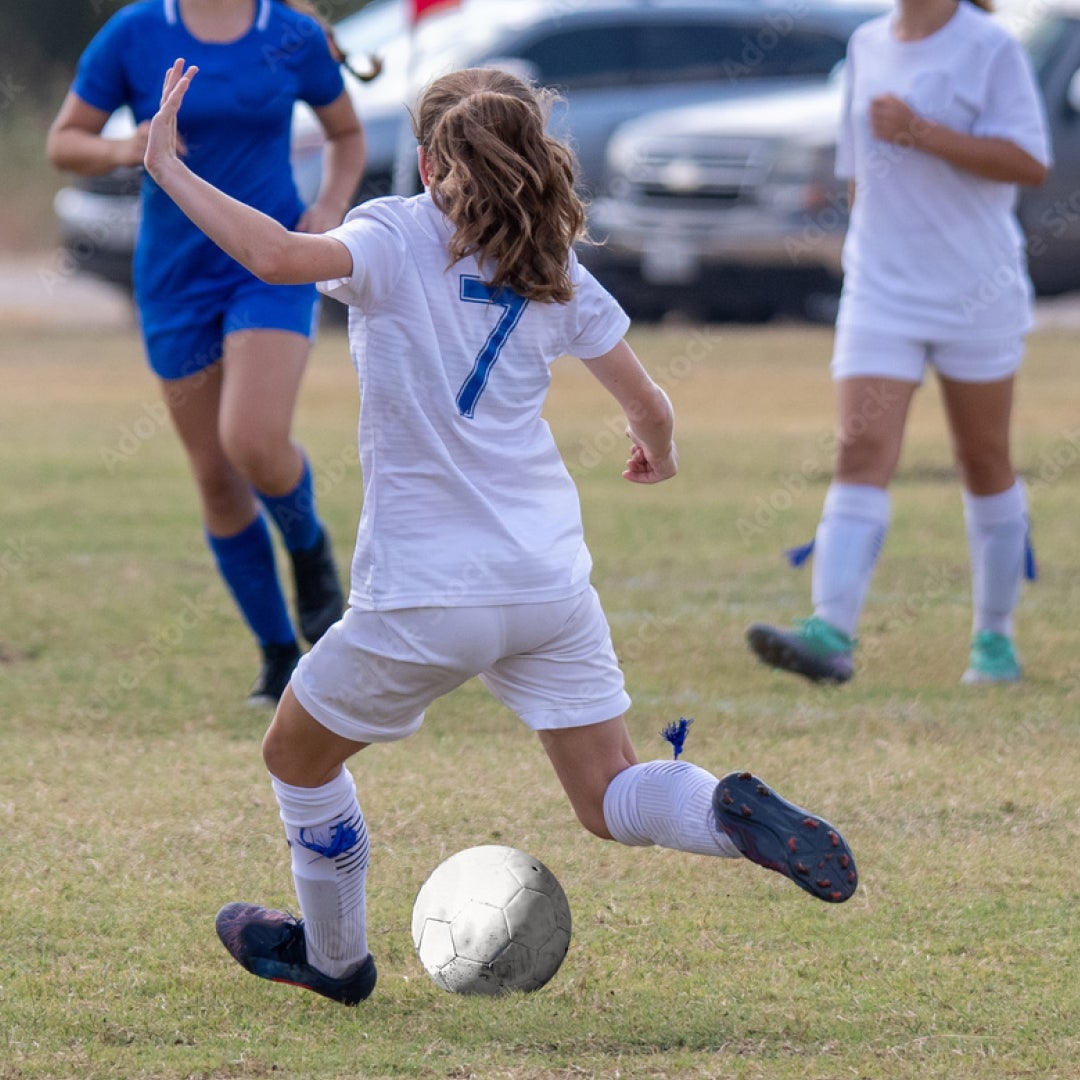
727	172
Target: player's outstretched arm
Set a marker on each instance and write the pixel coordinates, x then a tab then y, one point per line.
650	422
256	241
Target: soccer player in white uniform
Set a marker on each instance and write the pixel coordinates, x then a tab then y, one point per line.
942	119
470	558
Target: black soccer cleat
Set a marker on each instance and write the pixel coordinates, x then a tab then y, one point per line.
319	599
274	674
780	836
271	944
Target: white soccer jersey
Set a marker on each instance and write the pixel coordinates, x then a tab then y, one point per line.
466	498
934	252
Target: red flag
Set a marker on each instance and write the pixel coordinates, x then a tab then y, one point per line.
420	8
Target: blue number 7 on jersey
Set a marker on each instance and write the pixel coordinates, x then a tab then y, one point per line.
475	291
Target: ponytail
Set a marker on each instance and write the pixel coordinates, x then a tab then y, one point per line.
306	7
506	186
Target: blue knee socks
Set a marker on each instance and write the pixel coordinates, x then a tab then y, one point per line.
246	562
294	513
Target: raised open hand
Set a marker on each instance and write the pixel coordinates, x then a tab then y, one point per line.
163	143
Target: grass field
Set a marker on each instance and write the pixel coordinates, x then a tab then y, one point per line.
133	801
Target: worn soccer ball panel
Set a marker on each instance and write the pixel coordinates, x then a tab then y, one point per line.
490	920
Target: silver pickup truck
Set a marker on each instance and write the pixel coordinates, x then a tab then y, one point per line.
730	208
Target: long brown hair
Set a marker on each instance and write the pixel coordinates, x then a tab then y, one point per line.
506	186
336	51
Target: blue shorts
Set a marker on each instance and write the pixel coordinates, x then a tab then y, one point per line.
182	338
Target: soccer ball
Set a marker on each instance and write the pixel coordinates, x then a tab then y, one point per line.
490	920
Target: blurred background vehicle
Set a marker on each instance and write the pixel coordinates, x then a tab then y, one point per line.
731	209
727	209
611	59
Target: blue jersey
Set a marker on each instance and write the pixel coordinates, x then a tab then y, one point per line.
235	123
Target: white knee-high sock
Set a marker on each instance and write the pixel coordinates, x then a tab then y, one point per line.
854	521
997	528
667	803
328	841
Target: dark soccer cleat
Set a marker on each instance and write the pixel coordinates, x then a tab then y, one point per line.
783	837
271	944
813	649
319	600
277	668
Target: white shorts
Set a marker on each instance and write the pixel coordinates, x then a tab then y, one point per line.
371	675
868	353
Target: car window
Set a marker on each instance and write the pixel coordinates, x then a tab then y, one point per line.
695	50
806	52
686	51
583	56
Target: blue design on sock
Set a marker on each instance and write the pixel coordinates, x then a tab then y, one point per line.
246	562
1031	570
294	513
796	556
342	837
676	733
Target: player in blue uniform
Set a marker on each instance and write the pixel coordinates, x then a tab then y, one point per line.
228	349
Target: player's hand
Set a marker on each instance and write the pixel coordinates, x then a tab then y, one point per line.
132	150
643	469
317	218
894	121
163	144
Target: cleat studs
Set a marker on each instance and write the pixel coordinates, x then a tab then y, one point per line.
746	811
800	869
845	861
851	877
727	798
762	790
810	823
792	844
836	896
834	839
824	883
746	776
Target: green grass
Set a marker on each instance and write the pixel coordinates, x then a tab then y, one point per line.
133	800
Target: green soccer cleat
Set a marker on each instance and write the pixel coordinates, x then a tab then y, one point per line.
813	649
993	660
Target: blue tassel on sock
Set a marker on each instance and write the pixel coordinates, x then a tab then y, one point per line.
798	555
1031	570
342	837
675	733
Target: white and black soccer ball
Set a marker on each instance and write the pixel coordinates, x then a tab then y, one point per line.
490	920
